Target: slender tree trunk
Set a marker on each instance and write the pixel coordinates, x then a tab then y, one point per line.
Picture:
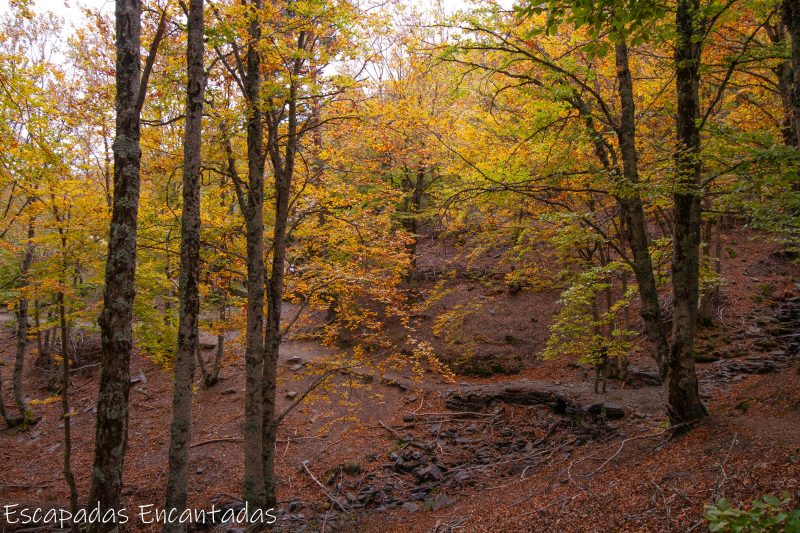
283	169
253	489
683	403
111	434
188	285
65	411
718	260
634	220
415	190
708	302
37	324
22	331
273	335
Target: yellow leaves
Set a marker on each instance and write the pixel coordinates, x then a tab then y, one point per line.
45	401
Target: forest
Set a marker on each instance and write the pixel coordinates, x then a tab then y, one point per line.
375	266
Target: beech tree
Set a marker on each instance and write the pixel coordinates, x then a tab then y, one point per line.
189	294
115	320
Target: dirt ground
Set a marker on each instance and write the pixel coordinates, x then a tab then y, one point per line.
509	468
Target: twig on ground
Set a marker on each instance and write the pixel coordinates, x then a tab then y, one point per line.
324	490
221	439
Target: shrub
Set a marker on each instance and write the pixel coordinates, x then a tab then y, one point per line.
769	514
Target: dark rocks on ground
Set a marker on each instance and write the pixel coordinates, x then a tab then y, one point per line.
428	473
476	397
488	365
643	377
612	410
440	501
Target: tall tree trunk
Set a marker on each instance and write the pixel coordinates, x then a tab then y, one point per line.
188	284
784	75
791	17
273	334
683	402
65	411
634	220
253	486
283	169
111	432
22	330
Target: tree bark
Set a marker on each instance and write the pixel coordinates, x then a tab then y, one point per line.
273	331
65	410
28	416
111	433
784	74
684	406
189	281
791	18
253	489
10	421
632	210
283	163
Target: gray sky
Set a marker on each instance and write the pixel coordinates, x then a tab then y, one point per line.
70	10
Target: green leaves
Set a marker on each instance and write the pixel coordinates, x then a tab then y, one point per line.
770	514
630	21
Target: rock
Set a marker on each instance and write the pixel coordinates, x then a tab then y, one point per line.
228	392
411	507
351	468
611	410
428	473
461	476
342	501
291	395
701	358
440	502
296	368
767	343
420	493
141	378
294	505
488	364
409	418
476	397
395	383
647	377
200	470
295	360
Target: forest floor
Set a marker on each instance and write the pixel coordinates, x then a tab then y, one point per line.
395	454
